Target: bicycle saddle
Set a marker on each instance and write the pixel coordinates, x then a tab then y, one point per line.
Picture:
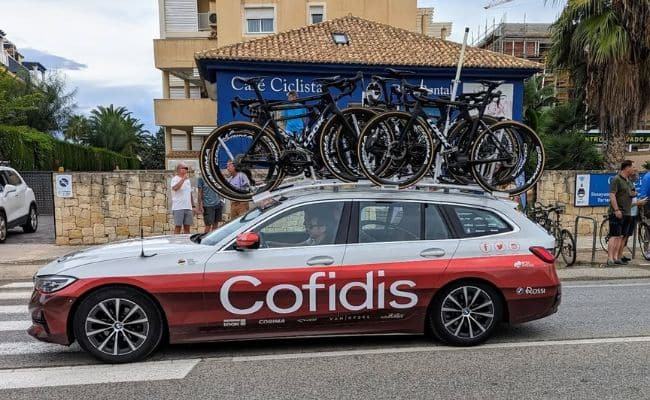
250	81
490	84
399	73
328	80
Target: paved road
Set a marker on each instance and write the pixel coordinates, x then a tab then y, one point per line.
44	233
597	346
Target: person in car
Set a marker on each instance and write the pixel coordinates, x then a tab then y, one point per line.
317	230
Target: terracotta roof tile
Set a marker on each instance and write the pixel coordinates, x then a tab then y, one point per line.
370	43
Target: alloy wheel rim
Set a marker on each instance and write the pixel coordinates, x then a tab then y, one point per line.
467	312
3	228
34	219
117	326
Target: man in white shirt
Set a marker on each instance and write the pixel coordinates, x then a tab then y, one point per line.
182	199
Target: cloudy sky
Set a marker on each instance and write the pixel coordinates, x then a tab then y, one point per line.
105	48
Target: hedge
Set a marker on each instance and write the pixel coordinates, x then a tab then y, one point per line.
28	149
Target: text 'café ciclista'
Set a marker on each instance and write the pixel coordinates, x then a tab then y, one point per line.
292	60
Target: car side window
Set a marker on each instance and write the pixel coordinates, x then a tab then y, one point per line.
3	181
435	227
389	222
13	178
479	222
309	225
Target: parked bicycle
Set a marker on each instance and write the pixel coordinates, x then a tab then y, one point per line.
549	217
642	233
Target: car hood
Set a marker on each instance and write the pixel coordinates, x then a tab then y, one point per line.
158	245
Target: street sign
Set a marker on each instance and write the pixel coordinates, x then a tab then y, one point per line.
634	137
592	190
63	185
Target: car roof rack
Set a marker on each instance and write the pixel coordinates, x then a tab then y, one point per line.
335	185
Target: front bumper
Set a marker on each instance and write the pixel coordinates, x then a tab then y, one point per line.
50	313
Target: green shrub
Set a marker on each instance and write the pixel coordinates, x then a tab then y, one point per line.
571	151
31	150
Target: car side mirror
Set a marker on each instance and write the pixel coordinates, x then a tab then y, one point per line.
247	241
9	189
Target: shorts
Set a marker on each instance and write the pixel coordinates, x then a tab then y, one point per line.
182	217
631	226
212	214
619	227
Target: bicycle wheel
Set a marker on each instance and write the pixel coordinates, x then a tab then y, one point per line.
503	153
603	234
338	143
392	151
644	239
568	247
236	142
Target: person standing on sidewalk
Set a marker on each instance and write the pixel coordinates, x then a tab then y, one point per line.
182	199
620	204
637	201
239	180
210	205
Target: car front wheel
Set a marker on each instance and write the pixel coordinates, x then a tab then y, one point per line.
118	325
465	313
3	227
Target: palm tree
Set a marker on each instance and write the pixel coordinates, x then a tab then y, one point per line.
115	129
605	45
77	129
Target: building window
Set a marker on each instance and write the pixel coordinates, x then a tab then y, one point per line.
316	14
260	20
340	38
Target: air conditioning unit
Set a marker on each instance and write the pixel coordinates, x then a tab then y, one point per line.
212	18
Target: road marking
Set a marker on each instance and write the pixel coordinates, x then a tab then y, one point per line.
433	348
95	374
13	310
18	285
606	285
9	295
14	325
34	347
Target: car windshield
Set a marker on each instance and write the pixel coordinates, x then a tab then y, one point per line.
219	234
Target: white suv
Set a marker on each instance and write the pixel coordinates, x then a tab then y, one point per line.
17	203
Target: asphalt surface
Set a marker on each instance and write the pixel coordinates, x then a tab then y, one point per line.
597	346
44	233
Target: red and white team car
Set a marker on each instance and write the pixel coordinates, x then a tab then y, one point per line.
322	263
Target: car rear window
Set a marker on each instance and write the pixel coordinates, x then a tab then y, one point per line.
478	222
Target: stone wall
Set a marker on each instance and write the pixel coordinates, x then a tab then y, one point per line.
560	186
108	206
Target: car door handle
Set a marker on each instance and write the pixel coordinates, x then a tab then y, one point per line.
432	253
320	260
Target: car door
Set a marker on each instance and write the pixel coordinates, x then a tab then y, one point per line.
14	200
399	249
277	288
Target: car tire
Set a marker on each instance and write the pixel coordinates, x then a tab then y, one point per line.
32	220
465	313
137	324
3	227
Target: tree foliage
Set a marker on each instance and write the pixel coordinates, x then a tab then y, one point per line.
115	129
537	99
152	151
605	46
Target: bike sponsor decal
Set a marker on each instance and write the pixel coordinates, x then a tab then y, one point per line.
530	290
392	316
343	318
523	264
486	247
230	323
337	298
514	246
272	321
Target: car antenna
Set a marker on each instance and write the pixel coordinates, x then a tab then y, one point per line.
142	245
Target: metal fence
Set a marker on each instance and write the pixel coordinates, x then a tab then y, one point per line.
41	184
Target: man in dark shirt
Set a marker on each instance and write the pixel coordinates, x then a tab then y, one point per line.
620	204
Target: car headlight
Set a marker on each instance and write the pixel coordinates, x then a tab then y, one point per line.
52	283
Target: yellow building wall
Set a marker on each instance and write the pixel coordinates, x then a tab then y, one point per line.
292	14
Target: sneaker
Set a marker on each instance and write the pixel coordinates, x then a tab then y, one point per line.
620	262
625	259
610	263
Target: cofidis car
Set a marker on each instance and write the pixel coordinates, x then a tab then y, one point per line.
324	263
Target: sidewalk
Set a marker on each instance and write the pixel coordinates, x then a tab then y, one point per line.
21	261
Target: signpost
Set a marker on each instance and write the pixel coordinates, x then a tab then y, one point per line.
63	185
592	190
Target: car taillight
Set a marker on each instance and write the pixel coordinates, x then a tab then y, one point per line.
543	254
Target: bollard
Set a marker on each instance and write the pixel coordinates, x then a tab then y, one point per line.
593	243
